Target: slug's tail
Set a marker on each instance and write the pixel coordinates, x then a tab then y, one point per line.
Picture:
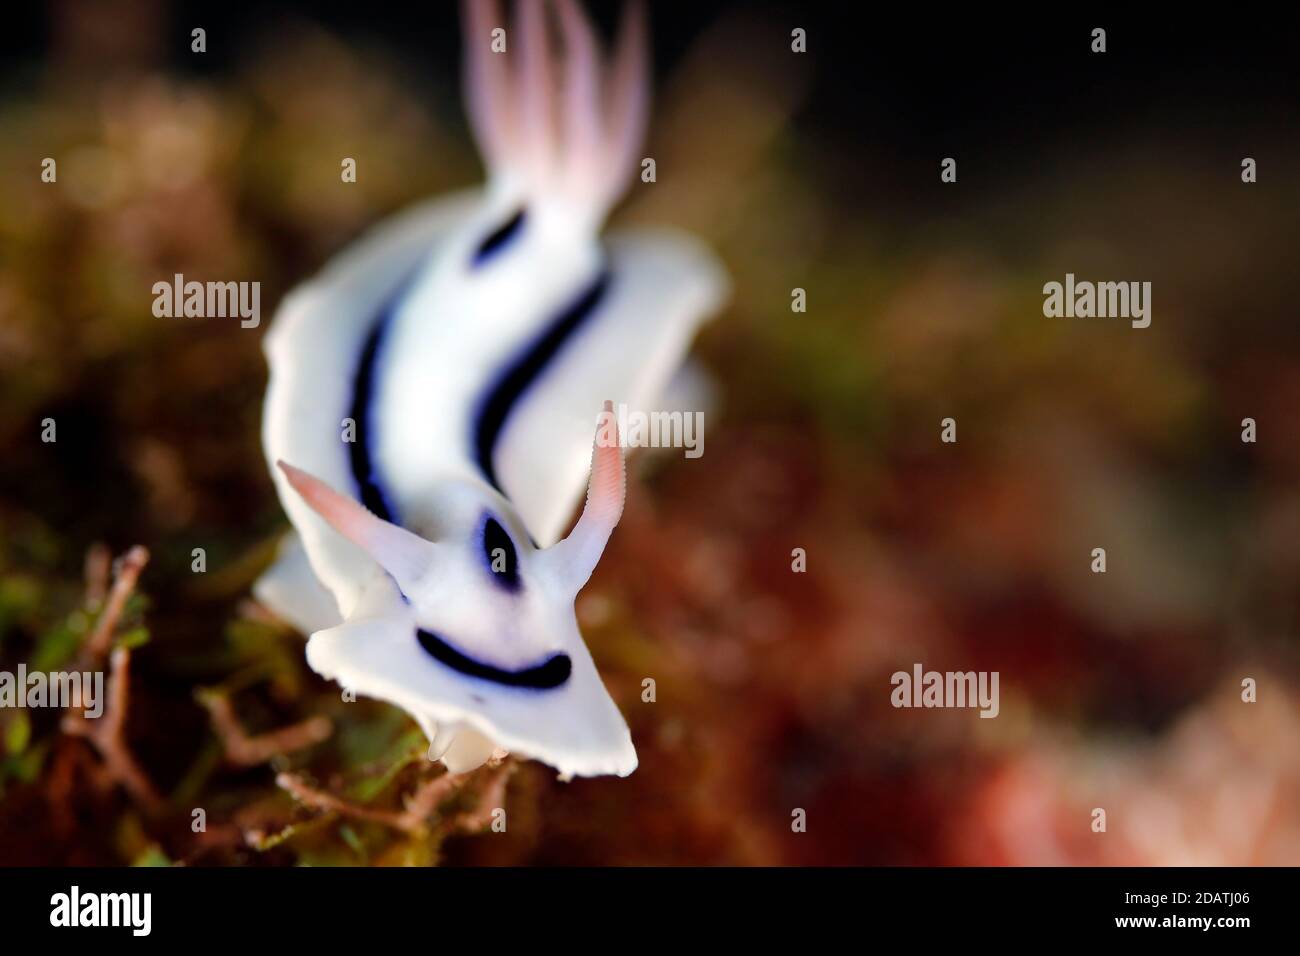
565	126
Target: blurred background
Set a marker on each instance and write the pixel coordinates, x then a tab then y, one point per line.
820	171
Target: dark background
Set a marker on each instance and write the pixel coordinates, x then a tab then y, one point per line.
991	86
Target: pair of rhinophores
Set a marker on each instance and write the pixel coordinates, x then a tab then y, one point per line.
473	341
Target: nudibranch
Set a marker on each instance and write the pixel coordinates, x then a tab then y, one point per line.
432	397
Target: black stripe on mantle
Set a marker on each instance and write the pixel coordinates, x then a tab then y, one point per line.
370	485
525	370
548	675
